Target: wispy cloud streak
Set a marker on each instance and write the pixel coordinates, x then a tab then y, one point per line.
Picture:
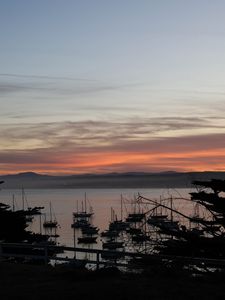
94	146
44	77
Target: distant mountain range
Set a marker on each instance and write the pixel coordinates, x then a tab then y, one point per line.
169	179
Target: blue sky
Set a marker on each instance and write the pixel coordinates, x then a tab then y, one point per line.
154	65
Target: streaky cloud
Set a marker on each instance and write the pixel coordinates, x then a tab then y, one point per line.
117	146
45	77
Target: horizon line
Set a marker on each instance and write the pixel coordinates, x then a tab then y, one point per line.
110	173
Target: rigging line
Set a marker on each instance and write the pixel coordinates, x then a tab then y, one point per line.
167	207
25	196
183	215
177	198
15	203
53	212
125	205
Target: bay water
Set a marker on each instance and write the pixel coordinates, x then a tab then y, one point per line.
65	201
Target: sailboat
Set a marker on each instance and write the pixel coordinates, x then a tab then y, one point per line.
51	223
83	214
82	219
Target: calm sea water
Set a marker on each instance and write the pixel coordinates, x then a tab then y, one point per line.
64	203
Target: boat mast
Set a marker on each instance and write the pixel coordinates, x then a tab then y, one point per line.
13	206
40	224
111	214
160	201
50	211
121	208
171	208
22	198
85	202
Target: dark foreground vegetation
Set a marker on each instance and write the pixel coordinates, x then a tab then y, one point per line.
19	281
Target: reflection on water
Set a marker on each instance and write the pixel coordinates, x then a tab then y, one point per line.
64	203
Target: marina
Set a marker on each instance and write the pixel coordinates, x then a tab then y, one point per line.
139	229
65	202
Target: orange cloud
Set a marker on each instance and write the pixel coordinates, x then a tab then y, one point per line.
98	162
99	147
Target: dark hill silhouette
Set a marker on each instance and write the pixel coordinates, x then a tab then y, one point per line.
169	179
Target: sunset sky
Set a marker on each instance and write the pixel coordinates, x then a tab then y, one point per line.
98	86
